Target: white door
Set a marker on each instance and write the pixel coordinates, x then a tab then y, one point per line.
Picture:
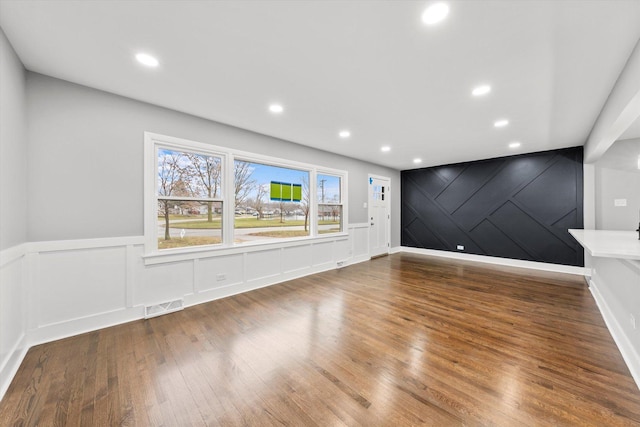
379	216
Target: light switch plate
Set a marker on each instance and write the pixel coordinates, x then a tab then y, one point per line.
619	202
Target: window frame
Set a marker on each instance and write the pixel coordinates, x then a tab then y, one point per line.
152	196
154	142
339	203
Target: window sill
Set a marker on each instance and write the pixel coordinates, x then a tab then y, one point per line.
185	254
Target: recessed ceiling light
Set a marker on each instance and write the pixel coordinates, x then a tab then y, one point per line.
344	134
416	161
435	13
514	144
276	108
481	90
146	59
385	148
501	123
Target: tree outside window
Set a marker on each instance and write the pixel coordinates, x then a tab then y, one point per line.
197	197
188	194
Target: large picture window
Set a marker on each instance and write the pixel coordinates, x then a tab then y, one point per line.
203	196
272	202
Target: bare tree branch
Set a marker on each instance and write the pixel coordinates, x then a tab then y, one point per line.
171	182
305	203
207	171
242	178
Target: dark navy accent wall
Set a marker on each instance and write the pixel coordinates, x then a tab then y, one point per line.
517	207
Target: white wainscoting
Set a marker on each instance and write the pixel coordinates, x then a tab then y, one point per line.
615	285
52	290
13	313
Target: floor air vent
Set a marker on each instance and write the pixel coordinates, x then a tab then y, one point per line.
162	308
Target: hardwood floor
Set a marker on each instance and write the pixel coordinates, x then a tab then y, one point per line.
399	340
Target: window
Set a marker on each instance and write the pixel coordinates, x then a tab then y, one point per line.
329	204
272	202
207	197
189	198
378	192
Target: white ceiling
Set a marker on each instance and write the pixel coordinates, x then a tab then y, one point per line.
633	131
623	155
369	66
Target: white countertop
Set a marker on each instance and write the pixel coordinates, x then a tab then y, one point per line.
609	244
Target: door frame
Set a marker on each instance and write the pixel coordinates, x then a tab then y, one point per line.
388	203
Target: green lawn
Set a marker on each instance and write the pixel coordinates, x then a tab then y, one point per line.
281	233
290	233
173	217
244	223
177	242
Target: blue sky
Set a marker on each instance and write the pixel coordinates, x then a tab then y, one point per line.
264	174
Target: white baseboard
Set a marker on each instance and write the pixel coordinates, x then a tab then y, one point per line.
357	259
69	328
629	353
12	363
556	268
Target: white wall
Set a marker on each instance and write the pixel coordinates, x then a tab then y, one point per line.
13	212
13	148
74	262
86	160
615	283
617	176
616	184
619	112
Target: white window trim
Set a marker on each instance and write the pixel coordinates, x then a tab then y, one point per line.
152	255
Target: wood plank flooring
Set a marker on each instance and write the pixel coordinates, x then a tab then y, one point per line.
400	340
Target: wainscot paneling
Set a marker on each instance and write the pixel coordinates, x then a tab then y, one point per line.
263	264
218	272
51	290
360	241
517	207
343	249
615	285
296	258
165	282
129	284
13	310
323	253
80	283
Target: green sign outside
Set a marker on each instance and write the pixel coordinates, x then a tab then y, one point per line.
285	192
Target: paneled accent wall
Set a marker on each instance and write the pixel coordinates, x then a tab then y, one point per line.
517	207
